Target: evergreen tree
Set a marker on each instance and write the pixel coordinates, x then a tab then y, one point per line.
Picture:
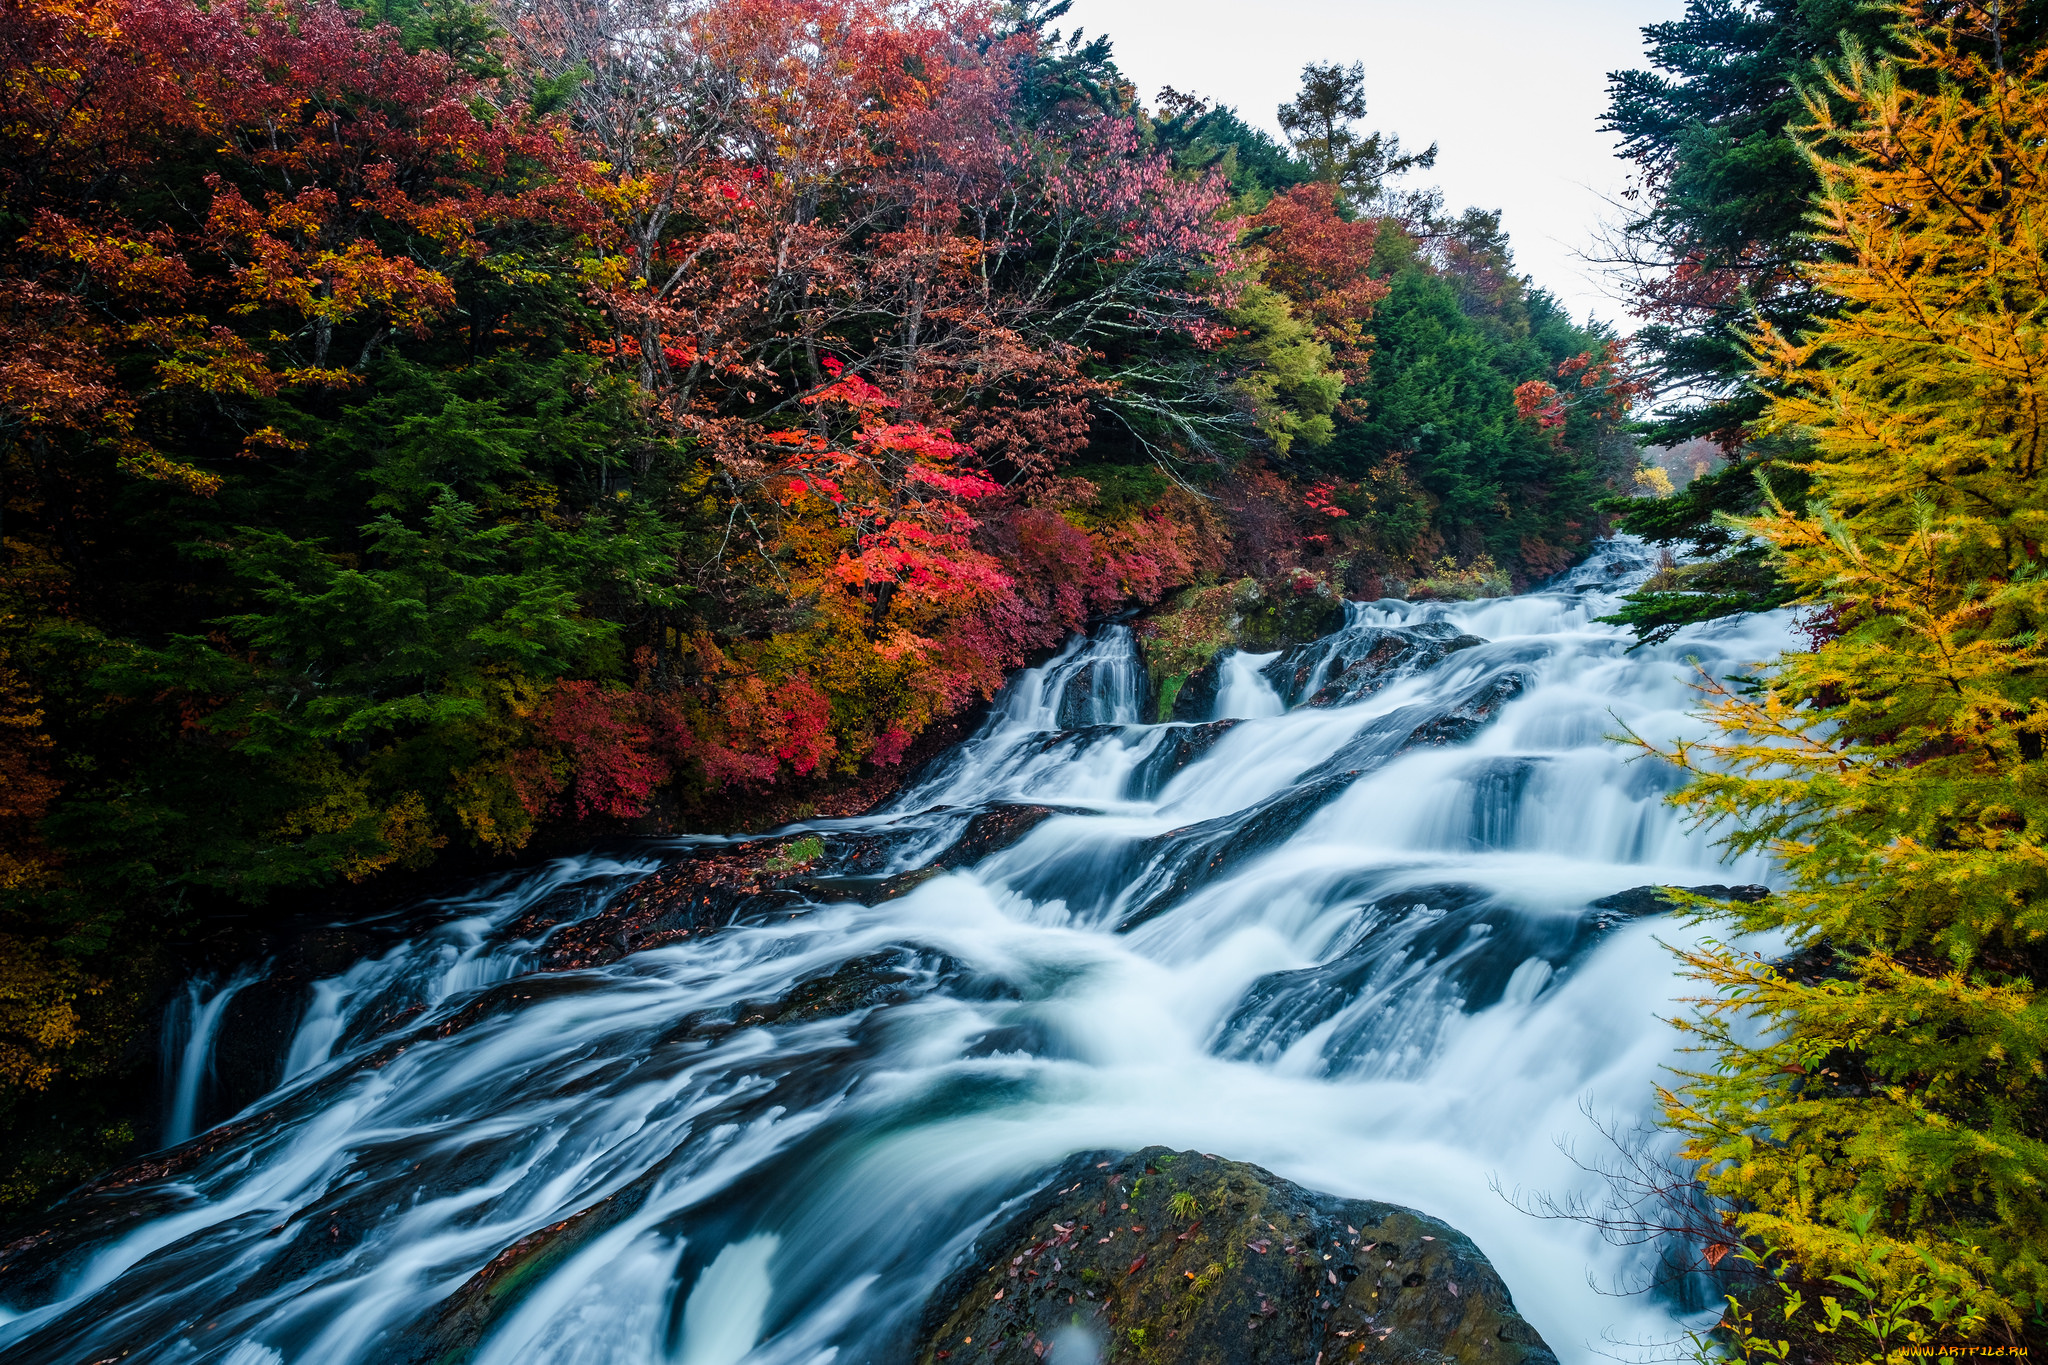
1318	123
1452	349
1723	190
1200	137
1880	1097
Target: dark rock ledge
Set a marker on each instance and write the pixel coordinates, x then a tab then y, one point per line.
718	884
1175	1258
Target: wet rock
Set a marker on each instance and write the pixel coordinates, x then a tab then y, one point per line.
722	884
994	830
1289	674
1077	699
889	976
1405	935
1170	1257
1213	849
1637	901
988	832
257	1026
42	1255
863	983
696	895
1174	751
1360	672
1473	713
451	1334
1196	700
1204	852
1428	725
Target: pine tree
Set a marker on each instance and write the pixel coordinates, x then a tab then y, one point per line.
1318	122
1881	1094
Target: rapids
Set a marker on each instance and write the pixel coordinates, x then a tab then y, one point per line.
1349	941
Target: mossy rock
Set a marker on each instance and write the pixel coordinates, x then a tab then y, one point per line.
1282	612
1177	1258
1184	646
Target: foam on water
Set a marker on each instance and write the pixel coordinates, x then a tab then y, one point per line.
1322	945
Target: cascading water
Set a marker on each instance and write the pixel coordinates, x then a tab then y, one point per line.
1349	938
191	1025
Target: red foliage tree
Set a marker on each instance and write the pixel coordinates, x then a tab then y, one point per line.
853	278
346	179
1323	263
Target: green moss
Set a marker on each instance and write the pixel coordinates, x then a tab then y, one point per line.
798	854
1169	692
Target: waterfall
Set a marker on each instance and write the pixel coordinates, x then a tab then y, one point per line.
1243	693
191	1025
1346	929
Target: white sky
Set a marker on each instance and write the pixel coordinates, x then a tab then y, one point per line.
1512	92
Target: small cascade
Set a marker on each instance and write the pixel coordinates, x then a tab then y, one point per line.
1242	692
1358	928
191	1026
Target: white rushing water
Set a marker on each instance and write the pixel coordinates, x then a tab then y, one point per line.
191	1028
1347	938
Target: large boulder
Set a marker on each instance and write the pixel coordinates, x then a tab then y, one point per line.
1176	1257
1290	609
1184	646
1638	901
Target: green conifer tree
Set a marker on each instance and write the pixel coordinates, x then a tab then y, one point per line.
1880	1098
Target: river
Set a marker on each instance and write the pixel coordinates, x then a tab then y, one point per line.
1349	938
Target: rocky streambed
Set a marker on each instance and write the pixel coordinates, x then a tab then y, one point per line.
1371	918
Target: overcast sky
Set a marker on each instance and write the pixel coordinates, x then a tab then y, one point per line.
1511	91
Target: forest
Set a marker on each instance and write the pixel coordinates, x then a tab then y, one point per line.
439	433
429	430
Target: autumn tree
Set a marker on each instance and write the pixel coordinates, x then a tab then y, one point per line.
1323	262
1875	1103
848	213
1712	234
